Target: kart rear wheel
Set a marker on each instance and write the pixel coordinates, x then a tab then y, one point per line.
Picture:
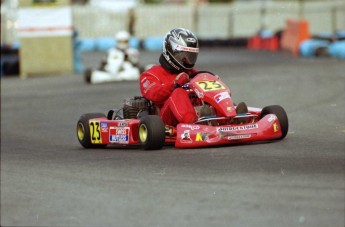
281	115
83	130
151	132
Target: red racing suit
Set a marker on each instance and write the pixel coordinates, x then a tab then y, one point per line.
157	85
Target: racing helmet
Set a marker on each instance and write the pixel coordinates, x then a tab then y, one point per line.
180	49
122	40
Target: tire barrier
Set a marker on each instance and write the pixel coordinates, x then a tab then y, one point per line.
337	49
313	47
153	43
325	44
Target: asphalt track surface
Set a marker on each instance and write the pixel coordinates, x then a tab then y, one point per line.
48	179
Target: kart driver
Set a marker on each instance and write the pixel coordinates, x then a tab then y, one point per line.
162	83
121	57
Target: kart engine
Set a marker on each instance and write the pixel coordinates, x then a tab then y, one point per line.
134	106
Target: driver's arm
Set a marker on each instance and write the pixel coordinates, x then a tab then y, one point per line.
154	89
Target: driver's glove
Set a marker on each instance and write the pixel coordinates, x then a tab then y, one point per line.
181	79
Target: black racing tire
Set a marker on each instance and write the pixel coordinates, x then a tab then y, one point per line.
281	115
115	114
87	75
83	130
151	132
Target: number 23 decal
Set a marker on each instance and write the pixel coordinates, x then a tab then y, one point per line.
95	132
208	85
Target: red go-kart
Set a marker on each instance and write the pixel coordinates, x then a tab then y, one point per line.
220	121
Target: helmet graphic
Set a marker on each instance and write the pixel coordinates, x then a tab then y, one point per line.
180	48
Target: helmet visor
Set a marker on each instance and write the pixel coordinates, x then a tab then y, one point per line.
186	56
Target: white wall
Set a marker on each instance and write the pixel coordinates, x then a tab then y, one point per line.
158	20
93	22
241	19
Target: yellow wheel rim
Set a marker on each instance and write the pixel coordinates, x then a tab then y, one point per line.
81	131
143	133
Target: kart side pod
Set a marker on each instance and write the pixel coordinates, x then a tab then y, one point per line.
273	125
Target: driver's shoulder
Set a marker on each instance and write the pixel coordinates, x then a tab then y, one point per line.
157	69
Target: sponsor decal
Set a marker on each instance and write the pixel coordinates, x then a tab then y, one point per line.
173	65
199	93
119	134
238	137
146	83
189	49
104	126
191	127
185	137
221	96
40	20
149	87
236	128
198	137
191	40
95	132
122	124
204	137
166	56
229	108
272	118
275	127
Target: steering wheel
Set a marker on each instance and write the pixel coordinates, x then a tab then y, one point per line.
191	76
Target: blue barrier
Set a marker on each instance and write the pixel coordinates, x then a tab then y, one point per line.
87	45
104	43
337	49
340	34
134	42
153	43
308	48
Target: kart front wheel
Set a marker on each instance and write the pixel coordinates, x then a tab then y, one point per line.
281	115
83	130
151	132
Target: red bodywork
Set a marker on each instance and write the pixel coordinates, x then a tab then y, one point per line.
125	132
104	131
220	130
192	135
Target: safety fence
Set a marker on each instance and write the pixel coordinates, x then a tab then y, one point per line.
208	21
241	19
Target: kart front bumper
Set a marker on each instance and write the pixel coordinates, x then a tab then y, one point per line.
195	135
